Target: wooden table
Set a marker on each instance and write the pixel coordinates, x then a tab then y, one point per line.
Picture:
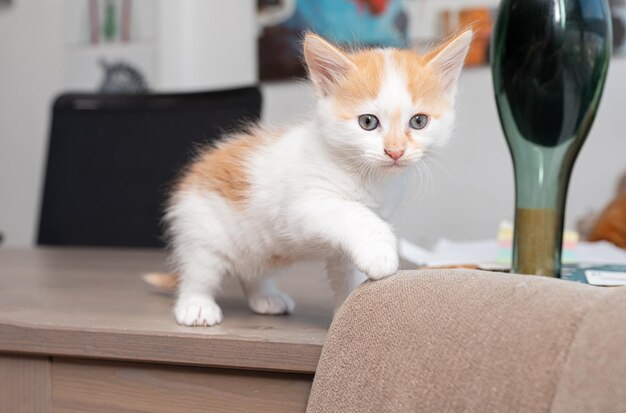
81	332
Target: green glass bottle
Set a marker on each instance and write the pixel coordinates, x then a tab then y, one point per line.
549	62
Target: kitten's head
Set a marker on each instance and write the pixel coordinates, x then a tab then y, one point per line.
384	109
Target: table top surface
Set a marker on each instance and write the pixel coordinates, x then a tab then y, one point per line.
92	303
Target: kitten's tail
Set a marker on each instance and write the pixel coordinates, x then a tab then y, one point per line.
161	280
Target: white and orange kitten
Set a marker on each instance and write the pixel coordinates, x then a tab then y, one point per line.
268	198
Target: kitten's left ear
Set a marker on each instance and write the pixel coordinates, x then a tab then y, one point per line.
326	63
448	61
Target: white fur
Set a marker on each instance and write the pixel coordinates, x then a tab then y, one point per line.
311	197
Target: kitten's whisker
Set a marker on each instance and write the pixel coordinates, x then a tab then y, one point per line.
432	179
437	162
409	184
419	194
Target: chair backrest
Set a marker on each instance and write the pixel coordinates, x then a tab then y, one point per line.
111	159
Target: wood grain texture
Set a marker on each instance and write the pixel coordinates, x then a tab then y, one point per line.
92	303
90	386
25	385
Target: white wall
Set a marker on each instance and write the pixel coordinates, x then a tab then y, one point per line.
31	72
472	182
206	44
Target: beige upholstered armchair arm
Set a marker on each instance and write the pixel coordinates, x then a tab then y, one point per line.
460	340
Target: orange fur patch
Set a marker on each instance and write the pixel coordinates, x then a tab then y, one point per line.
365	81
276	261
360	84
423	83
223	168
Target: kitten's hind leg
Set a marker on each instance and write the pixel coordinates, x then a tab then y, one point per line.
264	297
343	277
200	279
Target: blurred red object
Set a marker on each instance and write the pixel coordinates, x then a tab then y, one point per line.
375	7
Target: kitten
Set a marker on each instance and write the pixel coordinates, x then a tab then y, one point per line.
272	197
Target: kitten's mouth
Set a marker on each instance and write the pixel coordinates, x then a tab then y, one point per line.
394	165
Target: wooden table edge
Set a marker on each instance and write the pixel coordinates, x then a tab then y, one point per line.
207	351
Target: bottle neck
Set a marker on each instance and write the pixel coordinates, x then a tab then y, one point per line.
541	180
541	174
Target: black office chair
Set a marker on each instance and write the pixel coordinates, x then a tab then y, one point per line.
111	159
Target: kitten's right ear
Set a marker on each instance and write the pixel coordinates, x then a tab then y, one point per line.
326	63
449	59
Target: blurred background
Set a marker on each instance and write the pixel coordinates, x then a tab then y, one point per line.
158	46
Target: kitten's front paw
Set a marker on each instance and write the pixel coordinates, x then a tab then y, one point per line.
377	260
271	303
197	312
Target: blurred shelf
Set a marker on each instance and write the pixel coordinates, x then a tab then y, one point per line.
110	48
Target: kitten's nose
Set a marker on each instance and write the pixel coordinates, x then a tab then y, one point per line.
394	154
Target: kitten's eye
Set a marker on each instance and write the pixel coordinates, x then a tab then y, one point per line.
368	122
418	121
